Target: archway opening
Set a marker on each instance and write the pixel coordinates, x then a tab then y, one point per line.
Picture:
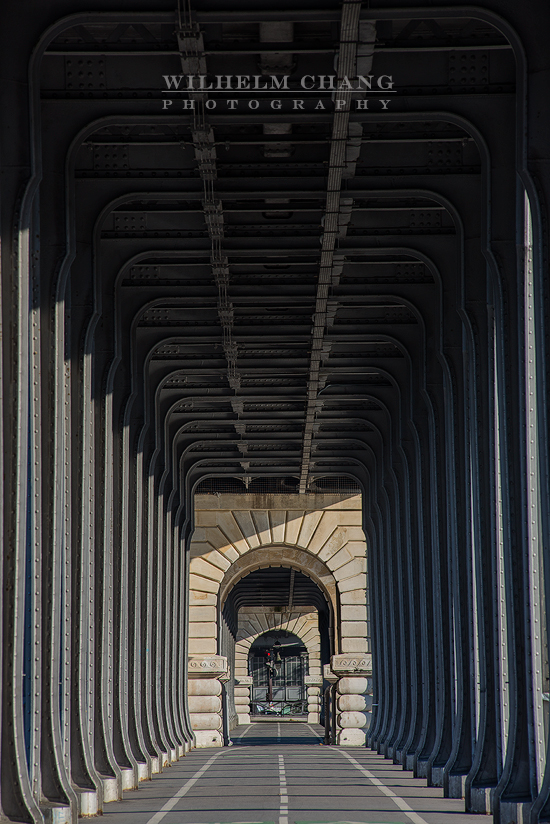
276	635
278	665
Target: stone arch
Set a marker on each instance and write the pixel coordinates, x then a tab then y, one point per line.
326	542
300	622
281	555
303	623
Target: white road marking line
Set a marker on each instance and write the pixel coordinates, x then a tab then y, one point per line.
403	806
314	733
242	735
283	792
278	733
157	817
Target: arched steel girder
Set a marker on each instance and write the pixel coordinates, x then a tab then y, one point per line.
440	463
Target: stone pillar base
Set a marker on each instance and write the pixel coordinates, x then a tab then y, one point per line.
242	698
314	684
205	705
354	673
208	738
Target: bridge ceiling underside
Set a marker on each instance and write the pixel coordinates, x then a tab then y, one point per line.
267	289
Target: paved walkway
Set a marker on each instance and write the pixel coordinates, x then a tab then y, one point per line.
280	773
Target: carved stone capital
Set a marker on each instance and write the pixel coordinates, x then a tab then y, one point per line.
329	675
352	664
313	681
207	666
244	681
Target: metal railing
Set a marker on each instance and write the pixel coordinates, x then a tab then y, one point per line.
280	708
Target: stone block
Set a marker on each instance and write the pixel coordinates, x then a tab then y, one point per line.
277	520
206	629
202	598
353	613
200	613
204	704
354	644
351	738
354	597
293	526
202	584
202	646
351	703
205	721
243	718
352	685
357	545
263	528
354	582
204	686
247	527
339	559
352	720
207	738
309	525
353	629
242	692
355	567
200	566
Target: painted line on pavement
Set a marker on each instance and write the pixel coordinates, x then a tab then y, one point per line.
242	735
403	806
157	817
314	733
283	792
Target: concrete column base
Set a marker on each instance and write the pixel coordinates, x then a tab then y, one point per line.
88	802
512	812
129	781
421	768
438	776
144	772
112	789
457	786
481	801
57	815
